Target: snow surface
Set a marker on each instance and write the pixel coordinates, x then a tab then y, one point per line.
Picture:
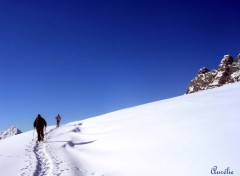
183	136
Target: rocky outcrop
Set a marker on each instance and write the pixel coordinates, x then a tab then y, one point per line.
9	132
228	72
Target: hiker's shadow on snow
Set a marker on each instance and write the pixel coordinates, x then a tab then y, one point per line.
71	143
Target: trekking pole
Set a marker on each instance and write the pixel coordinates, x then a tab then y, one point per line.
45	133
33	133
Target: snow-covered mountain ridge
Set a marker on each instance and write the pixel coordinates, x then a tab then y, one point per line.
195	134
228	72
9	132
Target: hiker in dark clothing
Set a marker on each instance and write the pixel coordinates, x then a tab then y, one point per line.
39	124
58	119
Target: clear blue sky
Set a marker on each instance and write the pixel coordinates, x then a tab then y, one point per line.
86	58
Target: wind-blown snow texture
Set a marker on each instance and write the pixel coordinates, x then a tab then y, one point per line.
183	136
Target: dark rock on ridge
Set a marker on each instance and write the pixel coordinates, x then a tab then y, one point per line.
228	72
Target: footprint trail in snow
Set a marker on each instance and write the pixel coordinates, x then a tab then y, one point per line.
38	162
57	155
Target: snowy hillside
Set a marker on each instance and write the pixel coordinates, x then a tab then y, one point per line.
9	132
190	135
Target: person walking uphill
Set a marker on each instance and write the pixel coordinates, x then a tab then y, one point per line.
39	124
58	119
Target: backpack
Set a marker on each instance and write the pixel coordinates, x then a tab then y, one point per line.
40	122
58	118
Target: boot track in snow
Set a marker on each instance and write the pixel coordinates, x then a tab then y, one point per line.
42	159
38	162
44	163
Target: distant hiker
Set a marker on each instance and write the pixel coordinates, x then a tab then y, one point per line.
58	119
39	124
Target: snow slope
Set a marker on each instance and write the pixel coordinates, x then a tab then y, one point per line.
183	136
